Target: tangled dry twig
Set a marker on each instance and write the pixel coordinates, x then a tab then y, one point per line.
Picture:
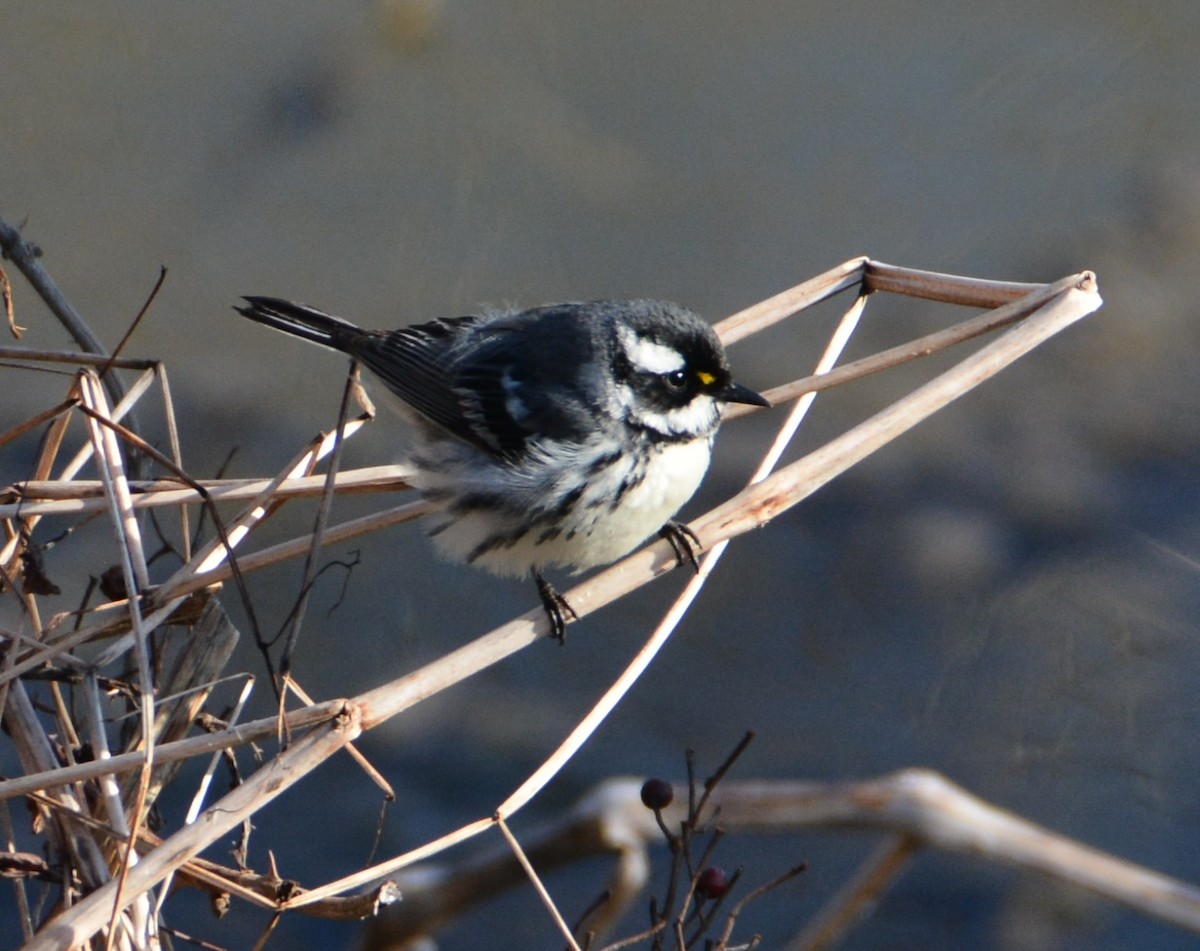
157	644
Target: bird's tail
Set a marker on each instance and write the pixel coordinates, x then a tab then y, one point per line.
301	320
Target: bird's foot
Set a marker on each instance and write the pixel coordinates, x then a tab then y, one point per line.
684	542
558	611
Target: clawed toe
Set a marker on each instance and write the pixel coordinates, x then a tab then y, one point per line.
684	542
558	611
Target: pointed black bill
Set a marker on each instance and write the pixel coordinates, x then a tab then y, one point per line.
736	393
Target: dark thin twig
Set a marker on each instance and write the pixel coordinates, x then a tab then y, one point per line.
318	533
595	906
207	501
679	845
33	423
711	783
756	894
198	531
704	917
689	757
672	839
653	931
694	872
25	256
162	276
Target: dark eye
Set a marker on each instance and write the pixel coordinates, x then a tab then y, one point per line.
676	379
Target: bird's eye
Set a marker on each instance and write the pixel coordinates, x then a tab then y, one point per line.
676	379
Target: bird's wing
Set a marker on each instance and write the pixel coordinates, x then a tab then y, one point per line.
417	364
496	382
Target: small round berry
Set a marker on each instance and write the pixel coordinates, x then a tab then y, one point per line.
657	794
712	882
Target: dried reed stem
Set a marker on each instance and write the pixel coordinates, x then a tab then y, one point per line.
319	730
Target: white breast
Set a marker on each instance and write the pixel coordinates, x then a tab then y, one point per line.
596	531
669	480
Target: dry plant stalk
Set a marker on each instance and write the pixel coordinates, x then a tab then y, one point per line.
172	639
912	809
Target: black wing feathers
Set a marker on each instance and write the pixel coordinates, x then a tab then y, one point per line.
495	382
530	378
417	364
300	320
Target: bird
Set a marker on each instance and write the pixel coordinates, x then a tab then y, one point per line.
559	436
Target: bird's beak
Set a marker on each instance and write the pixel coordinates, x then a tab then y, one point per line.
736	393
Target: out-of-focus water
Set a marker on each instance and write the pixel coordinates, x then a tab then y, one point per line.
1007	595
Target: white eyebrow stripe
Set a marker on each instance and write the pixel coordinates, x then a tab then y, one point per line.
648	356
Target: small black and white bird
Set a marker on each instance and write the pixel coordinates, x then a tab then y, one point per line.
564	435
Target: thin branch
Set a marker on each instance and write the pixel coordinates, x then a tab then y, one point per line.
74	496
77	924
1054	306
26	257
318	532
141	314
860	896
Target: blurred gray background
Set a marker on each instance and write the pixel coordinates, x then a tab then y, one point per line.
1008	594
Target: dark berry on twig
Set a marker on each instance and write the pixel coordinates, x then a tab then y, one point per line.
712	882
657	794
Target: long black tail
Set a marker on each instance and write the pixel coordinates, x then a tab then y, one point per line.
302	321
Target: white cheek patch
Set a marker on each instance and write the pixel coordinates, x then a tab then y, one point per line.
648	356
699	417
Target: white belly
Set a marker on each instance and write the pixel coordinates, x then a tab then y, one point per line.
594	532
670	480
